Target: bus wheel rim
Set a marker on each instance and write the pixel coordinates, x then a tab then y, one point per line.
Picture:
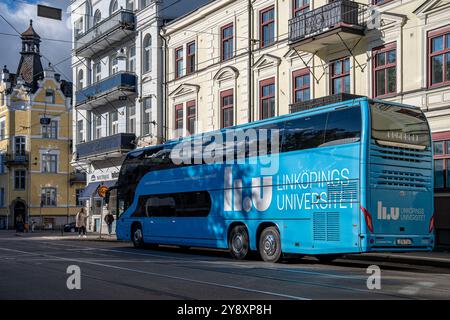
237	243
270	245
137	235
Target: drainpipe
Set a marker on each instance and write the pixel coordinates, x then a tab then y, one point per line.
165	106
250	61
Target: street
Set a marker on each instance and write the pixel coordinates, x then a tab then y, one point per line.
36	268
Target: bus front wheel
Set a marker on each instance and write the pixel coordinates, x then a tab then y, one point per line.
138	237
238	242
270	245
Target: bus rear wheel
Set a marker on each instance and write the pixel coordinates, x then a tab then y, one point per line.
270	245
137	236
238	242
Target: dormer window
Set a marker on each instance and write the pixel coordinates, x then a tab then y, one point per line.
50	96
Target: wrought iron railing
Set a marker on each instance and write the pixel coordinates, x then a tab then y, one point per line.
121	19
338	13
121	142
119	81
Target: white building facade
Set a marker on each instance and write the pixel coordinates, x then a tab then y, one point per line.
118	73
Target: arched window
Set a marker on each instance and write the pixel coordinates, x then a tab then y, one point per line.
80	80
130	5
147	54
113	7
97	17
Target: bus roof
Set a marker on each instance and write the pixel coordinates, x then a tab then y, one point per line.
312	107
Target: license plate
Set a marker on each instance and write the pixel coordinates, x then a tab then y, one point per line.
404	242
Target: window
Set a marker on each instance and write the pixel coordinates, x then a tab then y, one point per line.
442	165
147	116
78	27
113	7
97	17
326	129
80	80
48	197
385	70
50	96
267	27
183	204
179	117
50	131
380	2
439	57
97	123
227	107
19	179
2	128
300	7
49	163
227	51
179	62
267	98
131	112
190	67
340	76
2	197
2	163
132	59
114	122
80	131
145	3
78	193
301	85
114	64
19	145
98	71
190	117
130	5
147	54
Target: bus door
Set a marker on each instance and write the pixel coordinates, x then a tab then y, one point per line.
162	219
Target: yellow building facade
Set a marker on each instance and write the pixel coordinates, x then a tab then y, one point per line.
37	182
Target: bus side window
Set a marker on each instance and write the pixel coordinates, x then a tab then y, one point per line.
161	206
304	133
343	126
266	134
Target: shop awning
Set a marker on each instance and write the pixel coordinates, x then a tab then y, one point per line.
89	191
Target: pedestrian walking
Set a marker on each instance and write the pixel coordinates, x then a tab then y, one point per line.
81	219
109	219
19	224
33	225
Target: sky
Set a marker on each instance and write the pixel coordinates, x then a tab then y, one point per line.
19	13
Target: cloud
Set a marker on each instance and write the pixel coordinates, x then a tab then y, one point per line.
19	13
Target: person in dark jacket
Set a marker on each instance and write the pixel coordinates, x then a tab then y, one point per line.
109	219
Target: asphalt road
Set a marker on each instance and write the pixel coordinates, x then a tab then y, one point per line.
36	268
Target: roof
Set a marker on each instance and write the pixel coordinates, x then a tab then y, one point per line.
30	32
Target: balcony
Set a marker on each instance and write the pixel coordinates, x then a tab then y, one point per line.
108	147
16	159
117	87
77	177
106	34
331	24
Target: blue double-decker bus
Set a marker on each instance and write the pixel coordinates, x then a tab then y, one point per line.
335	178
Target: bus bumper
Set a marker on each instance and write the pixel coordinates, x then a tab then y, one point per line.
399	243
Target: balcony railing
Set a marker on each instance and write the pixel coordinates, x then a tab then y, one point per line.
16	159
107	147
101	36
77	177
344	13
323	101
109	89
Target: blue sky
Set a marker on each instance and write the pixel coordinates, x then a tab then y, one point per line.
19	13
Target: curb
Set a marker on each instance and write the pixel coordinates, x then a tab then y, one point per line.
421	261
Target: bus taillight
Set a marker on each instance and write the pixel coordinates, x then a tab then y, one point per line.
368	218
430	229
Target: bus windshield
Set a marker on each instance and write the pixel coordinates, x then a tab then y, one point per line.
399	126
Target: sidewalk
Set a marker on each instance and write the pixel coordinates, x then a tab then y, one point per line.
57	235
440	259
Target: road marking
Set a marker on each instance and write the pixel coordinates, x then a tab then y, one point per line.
281	295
